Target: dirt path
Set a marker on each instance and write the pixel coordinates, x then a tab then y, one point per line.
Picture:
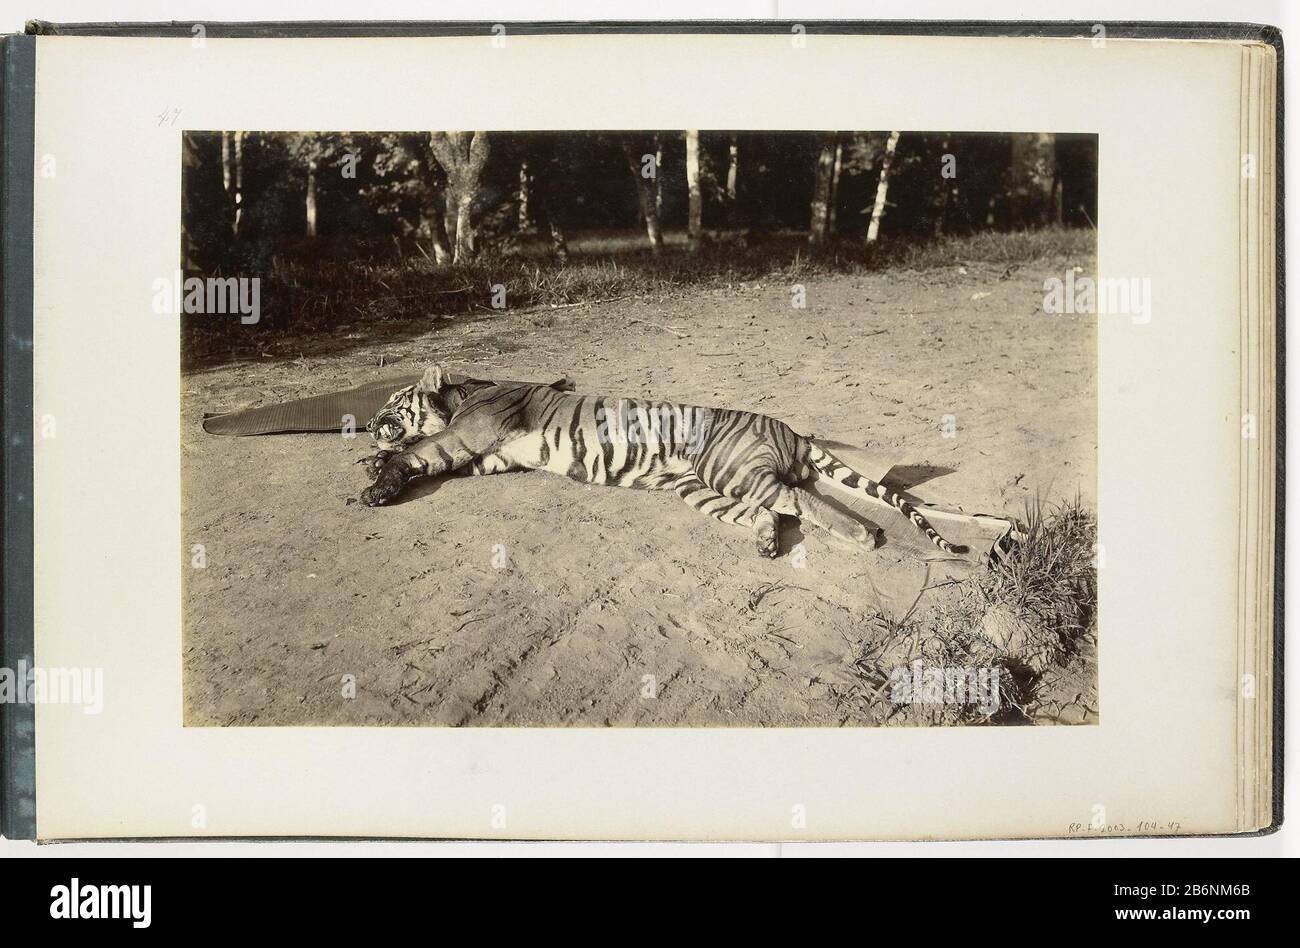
609	595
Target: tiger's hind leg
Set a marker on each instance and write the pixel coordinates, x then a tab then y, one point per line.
768	491
806	506
705	499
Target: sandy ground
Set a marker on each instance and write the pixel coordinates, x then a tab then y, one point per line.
614	607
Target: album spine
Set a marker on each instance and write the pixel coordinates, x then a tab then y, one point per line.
17	173
1273	37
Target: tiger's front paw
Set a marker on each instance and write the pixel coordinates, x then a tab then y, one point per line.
387	485
375	462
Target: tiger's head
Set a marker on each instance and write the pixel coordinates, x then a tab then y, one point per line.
412	413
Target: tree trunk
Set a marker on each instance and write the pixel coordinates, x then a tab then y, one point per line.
940	204
311	199
695	219
227	161
733	168
820	211
438	240
659	188
525	189
466	231
433	223
232	176
462	156
882	189
833	214
448	209
645	194
433	217
228	172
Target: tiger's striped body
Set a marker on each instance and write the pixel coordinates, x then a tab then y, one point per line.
738	467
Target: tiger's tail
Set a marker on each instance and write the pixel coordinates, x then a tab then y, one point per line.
844	478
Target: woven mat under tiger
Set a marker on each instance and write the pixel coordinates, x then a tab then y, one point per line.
317	413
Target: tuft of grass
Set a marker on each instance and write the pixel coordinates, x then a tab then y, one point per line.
1049	578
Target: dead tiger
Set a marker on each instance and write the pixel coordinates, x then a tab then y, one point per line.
736	466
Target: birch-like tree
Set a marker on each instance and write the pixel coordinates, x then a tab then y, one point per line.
659	181
643	163
832	214
882	188
733	168
312	151
695	197
525	223
232	177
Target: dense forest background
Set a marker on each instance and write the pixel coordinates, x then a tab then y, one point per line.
332	222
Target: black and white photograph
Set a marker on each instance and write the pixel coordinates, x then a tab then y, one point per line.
731	437
844	383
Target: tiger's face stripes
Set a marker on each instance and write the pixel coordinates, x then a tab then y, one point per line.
736	466
411	414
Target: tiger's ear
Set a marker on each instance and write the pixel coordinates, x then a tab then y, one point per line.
434	378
